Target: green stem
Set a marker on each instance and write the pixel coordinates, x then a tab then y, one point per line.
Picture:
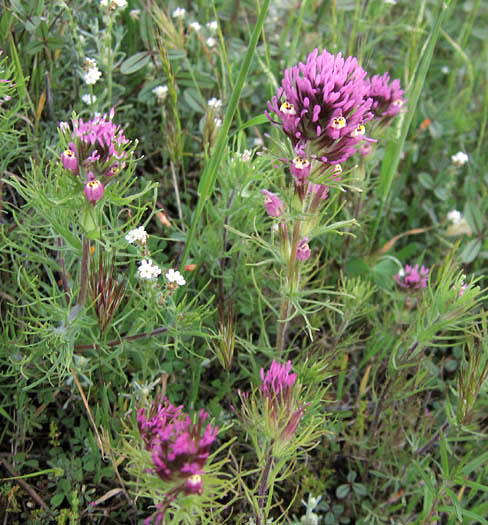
290	286
84	272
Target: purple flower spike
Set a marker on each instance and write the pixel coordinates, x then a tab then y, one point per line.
323	105
272	203
179	448
94	190
279	392
70	161
277	380
387	97
303	250
413	277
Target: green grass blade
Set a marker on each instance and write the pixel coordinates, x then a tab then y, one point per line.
395	147
209	175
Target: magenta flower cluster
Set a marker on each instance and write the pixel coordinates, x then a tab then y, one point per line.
413	277
278	392
324	104
179	447
387	96
97	150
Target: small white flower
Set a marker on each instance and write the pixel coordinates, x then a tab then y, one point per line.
212	26
211	42
148	270
444	70
392	2
214	103
195	26
401	273
137	235
258	141
92	76
174	276
88	99
218	122
91	72
246	156
63	126
121	4
161	92
179	12
459	159
454	216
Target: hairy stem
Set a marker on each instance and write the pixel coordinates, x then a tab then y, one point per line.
263	486
84	272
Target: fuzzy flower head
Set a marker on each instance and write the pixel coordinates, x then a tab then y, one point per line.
455	216
137	235
148	270
161	93
272	203
459	159
387	96
413	277
174	277
321	106
179	447
91	73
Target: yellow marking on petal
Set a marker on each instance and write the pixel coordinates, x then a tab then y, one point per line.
288	109
300	163
359	131
338	123
398	103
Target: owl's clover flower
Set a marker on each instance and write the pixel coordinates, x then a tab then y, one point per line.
322	106
179	447
97	150
279	394
387	96
272	203
413	277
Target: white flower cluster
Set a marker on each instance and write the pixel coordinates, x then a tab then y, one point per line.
211	42
214	103
455	216
174	276
212	26
137	235
91	74
113	4
88	99
179	12
459	159
161	92
195	26
148	270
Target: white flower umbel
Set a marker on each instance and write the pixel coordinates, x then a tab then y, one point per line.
148	270
161	92
218	122
88	99
137	235
195	26
444	70
455	216
174	276
211	42
459	159
214	103
179	12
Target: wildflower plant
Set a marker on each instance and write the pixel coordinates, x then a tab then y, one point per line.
179	472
